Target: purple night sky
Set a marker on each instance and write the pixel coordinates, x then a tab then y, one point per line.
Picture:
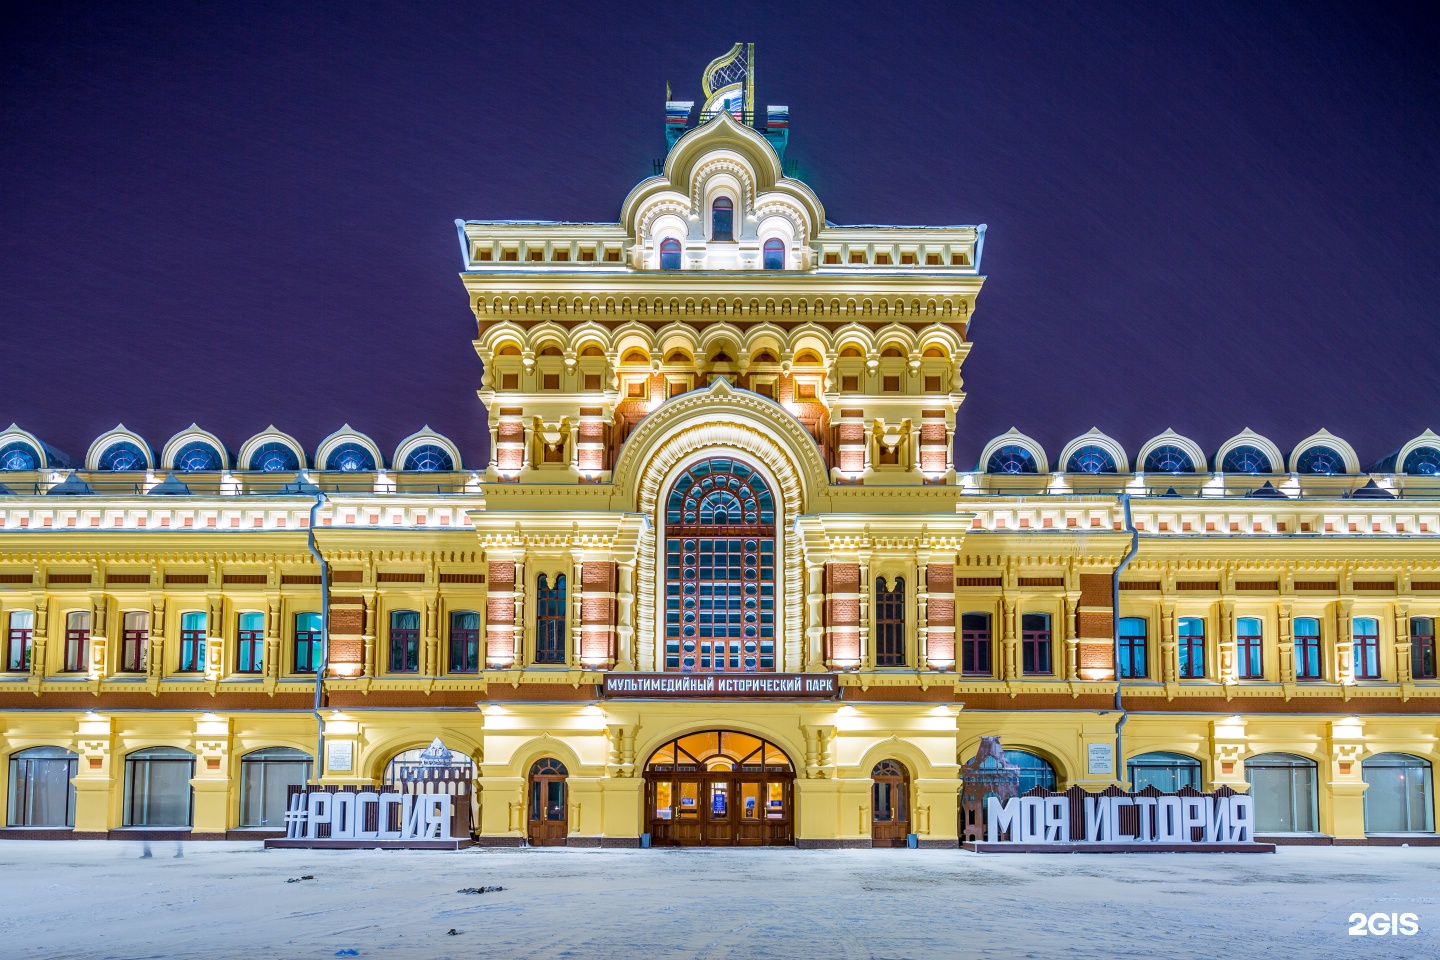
1201	216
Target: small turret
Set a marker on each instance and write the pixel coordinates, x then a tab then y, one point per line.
729	86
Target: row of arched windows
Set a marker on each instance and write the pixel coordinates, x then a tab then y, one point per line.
772	254
1015	454
267	453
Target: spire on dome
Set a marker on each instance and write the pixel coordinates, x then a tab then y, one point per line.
728	86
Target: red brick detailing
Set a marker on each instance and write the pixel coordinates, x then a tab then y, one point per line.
940	612
346	650
591	443
1094	590
598	576
1097	656
842	614
510	436
932	445
347	621
1094	624
502	577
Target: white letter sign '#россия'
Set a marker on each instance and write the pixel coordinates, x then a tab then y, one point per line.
424	816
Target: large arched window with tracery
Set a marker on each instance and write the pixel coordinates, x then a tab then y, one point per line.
720	569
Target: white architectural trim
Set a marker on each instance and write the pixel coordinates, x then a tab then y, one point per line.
1015	438
1094	437
1426	439
346	434
14	433
1324	438
1248	437
420	438
269	435
103	442
1171	438
192	432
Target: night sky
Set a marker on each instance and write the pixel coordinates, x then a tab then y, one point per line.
1204	216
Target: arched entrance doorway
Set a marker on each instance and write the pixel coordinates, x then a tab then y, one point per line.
549	824
720	788
889	804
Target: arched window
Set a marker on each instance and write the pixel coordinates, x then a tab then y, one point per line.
429	458
1420	462
307	642
123	455
1398	796
157	787
77	641
1249	648
1191	648
1132	647
135	642
550	619
670	254
1012	459
1035	643
722	219
411	764
274	457
19	455
1422	648
774	254
1091	458
464	641
1168	458
404	641
1166	772
250	643
1246	459
890	623
1035	771
192	642
197	455
266	777
350	457
1366	633
41	792
19	640
975	645
1308	664
1322	460
1283	786
720	569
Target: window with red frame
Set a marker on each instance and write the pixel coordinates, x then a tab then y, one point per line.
250	643
1308	665
1035	644
1366	631
1249	649
19	639
77	641
1422	648
975	645
134	642
464	641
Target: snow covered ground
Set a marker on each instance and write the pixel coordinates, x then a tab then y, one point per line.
221	900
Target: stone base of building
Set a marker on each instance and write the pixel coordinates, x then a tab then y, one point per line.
447	844
1119	847
499	841
842	843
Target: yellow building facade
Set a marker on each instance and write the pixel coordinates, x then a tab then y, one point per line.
721	464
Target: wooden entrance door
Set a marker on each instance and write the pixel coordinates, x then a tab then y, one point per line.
719	789
889	804
549	804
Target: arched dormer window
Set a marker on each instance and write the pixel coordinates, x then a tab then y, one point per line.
123	455
350	458
1420	462
774	254
670	254
19	455
1246	459
274	457
195	456
722	219
1011	458
1320	460
1091	458
429	458
1168	458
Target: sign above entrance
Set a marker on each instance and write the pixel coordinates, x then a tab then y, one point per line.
703	686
